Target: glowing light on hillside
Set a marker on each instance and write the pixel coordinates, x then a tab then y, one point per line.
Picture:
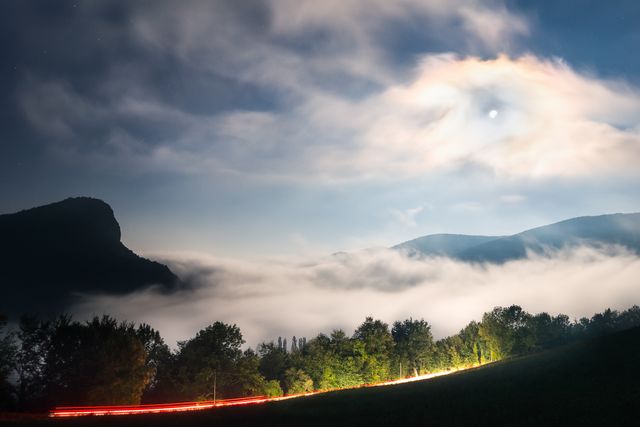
78	411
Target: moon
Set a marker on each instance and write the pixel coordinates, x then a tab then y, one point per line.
493	114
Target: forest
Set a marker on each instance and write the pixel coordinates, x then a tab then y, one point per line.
61	361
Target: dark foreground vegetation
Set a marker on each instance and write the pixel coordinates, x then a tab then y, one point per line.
46	363
593	382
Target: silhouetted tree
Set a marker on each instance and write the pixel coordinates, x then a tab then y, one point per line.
273	361
159	361
603	323
34	340
629	318
8	350
211	354
245	378
99	362
549	331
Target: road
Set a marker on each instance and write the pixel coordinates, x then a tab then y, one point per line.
75	411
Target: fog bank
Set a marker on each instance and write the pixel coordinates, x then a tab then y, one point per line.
271	298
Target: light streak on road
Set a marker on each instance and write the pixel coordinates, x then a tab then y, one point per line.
76	411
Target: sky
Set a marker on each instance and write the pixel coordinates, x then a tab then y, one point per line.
263	128
227	133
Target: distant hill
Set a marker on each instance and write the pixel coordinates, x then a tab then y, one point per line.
615	229
449	245
49	253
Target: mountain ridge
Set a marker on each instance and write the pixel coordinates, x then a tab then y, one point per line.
52	252
443	244
621	229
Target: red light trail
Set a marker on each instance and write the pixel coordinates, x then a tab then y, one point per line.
77	411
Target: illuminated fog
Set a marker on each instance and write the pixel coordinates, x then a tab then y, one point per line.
272	298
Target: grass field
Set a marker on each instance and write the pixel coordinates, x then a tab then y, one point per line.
596	382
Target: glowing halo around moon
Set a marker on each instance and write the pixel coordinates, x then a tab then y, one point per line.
493	114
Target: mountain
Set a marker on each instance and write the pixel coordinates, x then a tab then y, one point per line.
50	253
596	231
442	244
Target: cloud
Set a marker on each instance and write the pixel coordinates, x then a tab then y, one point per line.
407	217
494	27
272	298
552	122
299	45
338	103
487	25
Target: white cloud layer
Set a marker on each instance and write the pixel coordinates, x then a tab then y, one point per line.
272	298
552	122
345	110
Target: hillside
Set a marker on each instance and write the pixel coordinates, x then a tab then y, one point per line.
449	245
51	252
603	230
589	383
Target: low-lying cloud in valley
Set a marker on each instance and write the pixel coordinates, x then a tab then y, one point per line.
271	298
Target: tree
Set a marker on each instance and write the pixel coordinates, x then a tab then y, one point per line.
100	362
272	388
245	379
211	354
413	344
296	381
506	331
603	323
119	364
475	350
273	361
34	340
8	351
629	318
335	361
294	344
378	346
549	331
159	361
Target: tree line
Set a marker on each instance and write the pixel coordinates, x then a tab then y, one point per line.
44	363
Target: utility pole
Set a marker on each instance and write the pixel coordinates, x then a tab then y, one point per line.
215	374
400	369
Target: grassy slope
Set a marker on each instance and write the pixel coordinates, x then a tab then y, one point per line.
591	383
